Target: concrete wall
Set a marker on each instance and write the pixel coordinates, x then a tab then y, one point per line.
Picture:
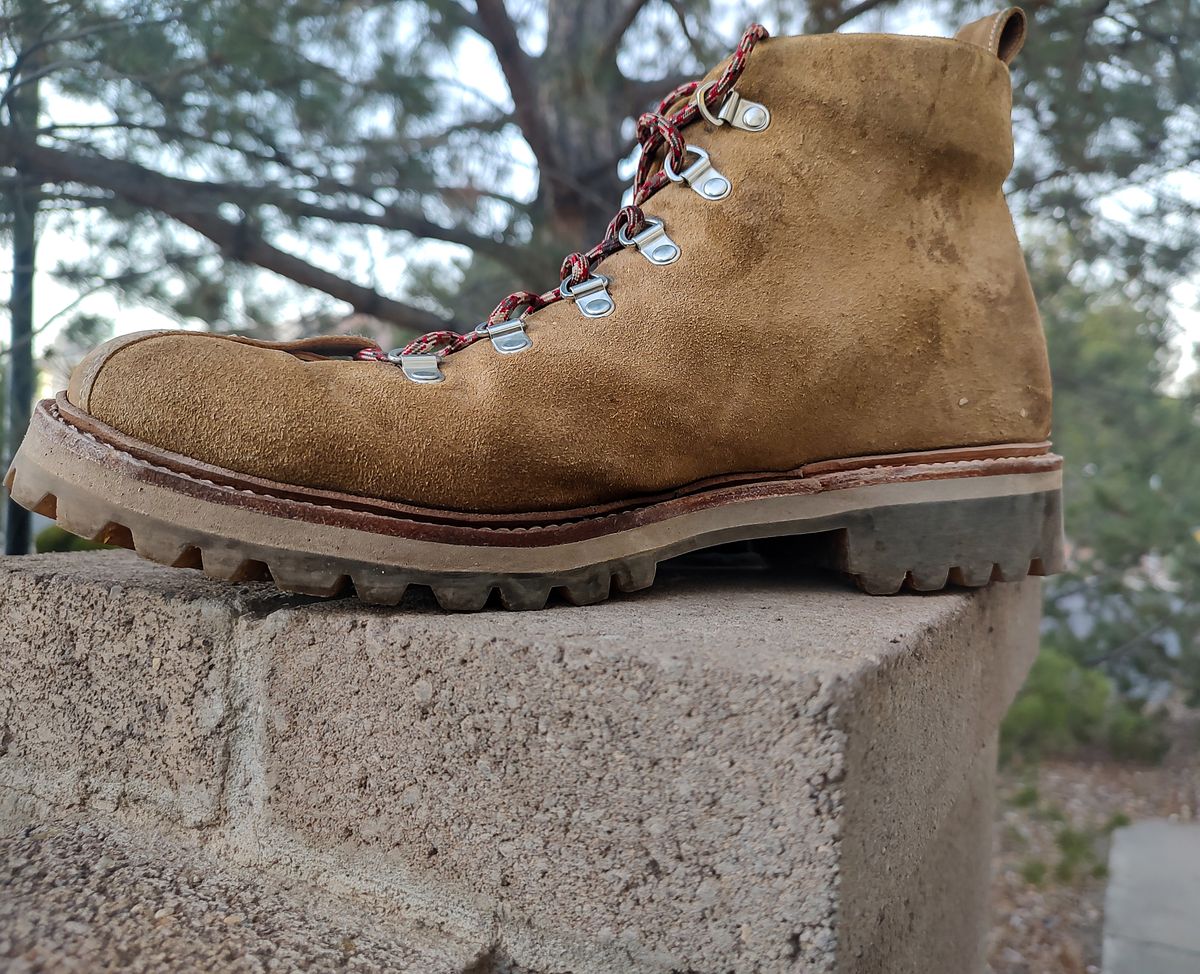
725	774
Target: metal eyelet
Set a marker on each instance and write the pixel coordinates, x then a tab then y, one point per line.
741	113
700	175
508	337
590	295
652	242
418	368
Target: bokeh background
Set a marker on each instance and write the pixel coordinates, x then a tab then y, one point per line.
386	166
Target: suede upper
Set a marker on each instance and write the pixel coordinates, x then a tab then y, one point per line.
861	291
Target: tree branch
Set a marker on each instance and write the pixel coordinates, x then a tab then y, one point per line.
621	24
495	26
182	201
318	182
43	41
698	51
846	15
647	93
124	178
390	219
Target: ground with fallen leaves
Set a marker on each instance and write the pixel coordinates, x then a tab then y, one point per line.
1054	826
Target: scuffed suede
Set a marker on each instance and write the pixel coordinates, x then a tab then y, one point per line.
861	291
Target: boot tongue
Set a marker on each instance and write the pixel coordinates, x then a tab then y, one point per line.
313	349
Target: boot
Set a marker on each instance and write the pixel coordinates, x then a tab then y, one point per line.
815	319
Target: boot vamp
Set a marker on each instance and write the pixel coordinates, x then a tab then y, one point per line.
594	411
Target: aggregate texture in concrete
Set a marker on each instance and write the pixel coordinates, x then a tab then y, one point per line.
78	899
730	772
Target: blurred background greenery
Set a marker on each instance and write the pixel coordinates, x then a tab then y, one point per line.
283	168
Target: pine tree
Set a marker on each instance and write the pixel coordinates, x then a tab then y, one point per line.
190	141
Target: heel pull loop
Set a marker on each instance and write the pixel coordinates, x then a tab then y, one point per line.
1002	33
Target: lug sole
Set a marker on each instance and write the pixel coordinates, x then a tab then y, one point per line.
918	526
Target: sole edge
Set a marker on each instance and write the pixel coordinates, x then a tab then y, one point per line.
920	535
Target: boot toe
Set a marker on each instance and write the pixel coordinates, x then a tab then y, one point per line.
85	374
301	414
229	403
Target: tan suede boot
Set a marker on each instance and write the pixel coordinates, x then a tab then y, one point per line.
816	321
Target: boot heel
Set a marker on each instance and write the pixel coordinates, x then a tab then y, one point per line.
967	542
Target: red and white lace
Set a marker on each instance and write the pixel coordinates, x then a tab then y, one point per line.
654	130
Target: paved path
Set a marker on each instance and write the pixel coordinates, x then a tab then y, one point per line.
1152	911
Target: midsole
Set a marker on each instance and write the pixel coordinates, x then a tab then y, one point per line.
56	458
817	475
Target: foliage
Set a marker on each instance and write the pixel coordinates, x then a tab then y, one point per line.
54	538
1026	796
1078	855
1066	710
1080	851
189	142
203	131
1131	600
1033	871
1104	187
1105	108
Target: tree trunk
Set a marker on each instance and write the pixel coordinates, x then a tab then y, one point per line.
583	99
23	113
21	372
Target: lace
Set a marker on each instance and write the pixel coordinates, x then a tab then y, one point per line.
654	131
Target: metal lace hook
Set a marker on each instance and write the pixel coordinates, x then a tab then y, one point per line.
424	368
590	295
739	112
508	337
652	242
700	175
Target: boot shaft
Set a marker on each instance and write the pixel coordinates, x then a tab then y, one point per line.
863	269
893	112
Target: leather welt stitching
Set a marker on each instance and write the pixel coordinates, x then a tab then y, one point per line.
227	489
995	30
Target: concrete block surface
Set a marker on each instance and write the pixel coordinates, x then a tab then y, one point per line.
727	773
112	693
79	899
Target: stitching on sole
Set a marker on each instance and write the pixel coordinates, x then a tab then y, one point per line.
822	483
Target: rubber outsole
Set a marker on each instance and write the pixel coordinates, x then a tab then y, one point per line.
918	526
